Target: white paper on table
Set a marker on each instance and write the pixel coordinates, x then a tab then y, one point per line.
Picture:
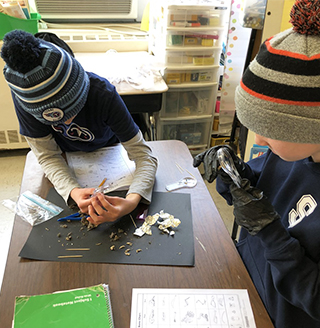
209	308
109	162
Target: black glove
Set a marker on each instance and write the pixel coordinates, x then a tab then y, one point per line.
252	210
211	164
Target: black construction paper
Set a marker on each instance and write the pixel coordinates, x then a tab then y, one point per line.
47	240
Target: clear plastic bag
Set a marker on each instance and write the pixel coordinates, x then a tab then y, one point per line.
34	209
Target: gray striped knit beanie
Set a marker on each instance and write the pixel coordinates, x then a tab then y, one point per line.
48	82
279	94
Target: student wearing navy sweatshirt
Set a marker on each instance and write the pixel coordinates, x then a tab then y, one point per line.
62	108
277	202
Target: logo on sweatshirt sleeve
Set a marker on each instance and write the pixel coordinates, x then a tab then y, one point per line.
305	206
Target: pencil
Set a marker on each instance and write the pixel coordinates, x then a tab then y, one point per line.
98	189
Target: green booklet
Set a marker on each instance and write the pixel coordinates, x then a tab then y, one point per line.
83	307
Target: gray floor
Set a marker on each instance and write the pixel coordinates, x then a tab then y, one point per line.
11	169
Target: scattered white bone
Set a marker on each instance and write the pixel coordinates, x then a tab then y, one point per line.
169	221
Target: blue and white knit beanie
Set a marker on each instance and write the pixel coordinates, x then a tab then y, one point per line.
48	82
279	95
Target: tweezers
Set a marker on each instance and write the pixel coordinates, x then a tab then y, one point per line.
72	217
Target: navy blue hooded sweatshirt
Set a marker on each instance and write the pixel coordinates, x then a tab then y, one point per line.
283	258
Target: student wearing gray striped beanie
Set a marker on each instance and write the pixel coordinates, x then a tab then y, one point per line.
48	82
276	199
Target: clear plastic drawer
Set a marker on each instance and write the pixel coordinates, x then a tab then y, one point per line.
190	76
210	38
187	102
192	133
196	17
192	58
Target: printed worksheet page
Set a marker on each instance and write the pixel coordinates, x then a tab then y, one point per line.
111	163
182	308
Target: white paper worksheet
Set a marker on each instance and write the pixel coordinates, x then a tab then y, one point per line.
111	163
191	308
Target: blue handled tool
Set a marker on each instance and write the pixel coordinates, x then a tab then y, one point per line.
73	217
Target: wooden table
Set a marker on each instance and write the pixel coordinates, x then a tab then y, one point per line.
217	263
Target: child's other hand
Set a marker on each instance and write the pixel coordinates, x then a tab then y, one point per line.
82	197
252	210
105	208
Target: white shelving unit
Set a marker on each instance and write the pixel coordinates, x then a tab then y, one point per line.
188	40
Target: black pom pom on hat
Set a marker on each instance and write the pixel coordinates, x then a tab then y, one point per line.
21	51
305	17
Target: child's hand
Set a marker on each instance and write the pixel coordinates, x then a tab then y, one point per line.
82	197
211	164
105	208
252	210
